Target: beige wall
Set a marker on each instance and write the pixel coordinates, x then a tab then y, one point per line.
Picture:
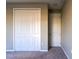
44	23
9	28
66	41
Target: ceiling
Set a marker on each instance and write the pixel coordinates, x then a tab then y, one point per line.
53	4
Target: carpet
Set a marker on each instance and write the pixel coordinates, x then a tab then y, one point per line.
53	53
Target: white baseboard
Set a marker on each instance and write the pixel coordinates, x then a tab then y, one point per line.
65	52
44	50
13	50
9	50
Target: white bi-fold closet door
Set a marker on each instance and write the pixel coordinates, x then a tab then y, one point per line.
27	29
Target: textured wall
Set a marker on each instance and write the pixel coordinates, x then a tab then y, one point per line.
53	4
9	28
66	41
44	23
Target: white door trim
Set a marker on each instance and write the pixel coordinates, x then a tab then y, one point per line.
14	22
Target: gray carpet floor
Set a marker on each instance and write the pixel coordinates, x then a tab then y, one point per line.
53	53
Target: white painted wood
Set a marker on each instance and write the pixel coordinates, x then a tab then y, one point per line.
9	50
27	34
44	50
55	29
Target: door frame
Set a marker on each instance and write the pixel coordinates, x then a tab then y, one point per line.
14	25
